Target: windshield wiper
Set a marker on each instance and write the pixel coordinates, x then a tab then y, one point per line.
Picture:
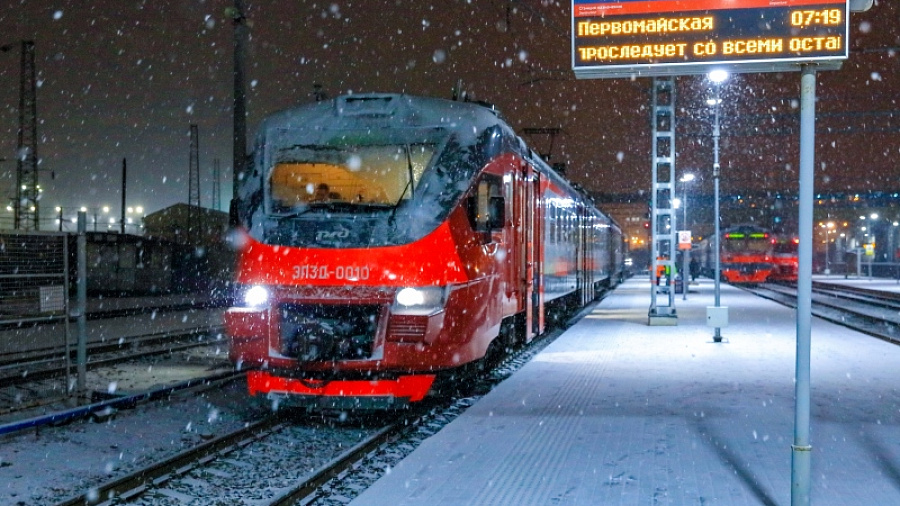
409	181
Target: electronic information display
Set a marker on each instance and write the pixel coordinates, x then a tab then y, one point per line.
624	38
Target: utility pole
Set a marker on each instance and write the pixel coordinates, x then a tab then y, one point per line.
216	186
26	205
194	170
124	187
193	183
240	105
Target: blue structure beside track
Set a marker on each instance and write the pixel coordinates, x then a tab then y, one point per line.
617	412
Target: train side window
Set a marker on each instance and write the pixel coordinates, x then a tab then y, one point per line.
487	207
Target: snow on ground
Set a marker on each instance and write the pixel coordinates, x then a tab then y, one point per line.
618	412
49	464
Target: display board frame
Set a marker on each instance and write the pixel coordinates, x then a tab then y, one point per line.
647	38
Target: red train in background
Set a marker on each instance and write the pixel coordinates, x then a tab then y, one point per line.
387	243
784	259
751	255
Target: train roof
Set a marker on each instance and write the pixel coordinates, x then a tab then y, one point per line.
373	110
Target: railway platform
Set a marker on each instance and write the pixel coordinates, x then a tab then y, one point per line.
618	412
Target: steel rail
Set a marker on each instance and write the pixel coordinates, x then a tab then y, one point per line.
138	482
843	290
25	375
56	353
341	463
848	316
129	401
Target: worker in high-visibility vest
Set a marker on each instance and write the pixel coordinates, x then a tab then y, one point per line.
664	270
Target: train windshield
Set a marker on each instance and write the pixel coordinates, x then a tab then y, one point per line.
785	248
350	176
753	242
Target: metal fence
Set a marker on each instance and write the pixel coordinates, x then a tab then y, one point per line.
34	284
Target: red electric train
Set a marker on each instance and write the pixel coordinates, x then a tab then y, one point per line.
784	260
746	255
388	242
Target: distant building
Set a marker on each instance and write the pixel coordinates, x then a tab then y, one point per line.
203	260
125	264
187	224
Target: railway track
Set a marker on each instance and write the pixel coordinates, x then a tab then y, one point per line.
52	362
274	461
282	460
872	312
40	381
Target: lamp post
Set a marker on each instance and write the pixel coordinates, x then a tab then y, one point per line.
95	211
892	254
130	211
717	77
872	217
686	255
10	209
59	218
828	228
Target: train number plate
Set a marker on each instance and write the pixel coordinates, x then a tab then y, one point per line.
326	272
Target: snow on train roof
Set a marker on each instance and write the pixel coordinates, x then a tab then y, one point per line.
465	119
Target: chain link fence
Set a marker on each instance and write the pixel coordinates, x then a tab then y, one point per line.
33	276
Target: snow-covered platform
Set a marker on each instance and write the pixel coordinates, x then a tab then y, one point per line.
619	412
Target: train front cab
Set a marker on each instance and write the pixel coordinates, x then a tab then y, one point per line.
493	294
746	256
784	258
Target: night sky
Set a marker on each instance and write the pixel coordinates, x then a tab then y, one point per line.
127	79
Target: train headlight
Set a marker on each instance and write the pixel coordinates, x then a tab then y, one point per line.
419	301
256	296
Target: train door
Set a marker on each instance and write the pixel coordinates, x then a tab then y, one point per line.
586	227
530	274
515	260
537	248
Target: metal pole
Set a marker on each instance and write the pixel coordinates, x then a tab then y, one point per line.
717	336
858	262
124	180
81	303
801	450
239	138
685	275
68	308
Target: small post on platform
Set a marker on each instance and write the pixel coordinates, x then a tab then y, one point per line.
81	303
801	450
